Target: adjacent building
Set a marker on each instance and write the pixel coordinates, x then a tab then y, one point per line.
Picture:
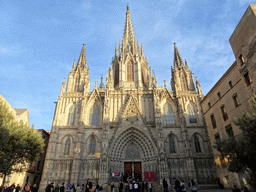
32	174
231	95
131	126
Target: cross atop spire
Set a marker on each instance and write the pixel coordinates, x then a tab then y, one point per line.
128	38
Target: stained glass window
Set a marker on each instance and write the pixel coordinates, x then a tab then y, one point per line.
72	115
94	115
92	146
130	71
116	74
168	114
172	145
67	146
197	144
191	113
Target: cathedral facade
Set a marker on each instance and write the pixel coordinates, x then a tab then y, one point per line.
131	126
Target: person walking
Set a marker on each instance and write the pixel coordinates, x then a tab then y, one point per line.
177	185
130	187
18	188
33	188
150	186
73	187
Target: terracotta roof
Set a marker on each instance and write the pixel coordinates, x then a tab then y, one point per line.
20	111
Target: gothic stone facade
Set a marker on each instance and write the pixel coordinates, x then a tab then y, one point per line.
132	126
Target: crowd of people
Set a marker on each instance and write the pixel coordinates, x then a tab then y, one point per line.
131	185
19	188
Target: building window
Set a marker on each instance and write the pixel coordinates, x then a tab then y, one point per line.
72	115
172	145
117	74
230	84
67	146
191	113
209	105
224	113
219	96
168	114
229	130
247	78
197	144
130	71
236	100
92	146
217	137
213	121
94	115
241	59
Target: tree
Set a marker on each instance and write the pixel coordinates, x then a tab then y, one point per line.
240	150
18	143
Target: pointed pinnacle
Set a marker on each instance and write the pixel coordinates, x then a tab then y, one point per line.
116	51
177	58
74	65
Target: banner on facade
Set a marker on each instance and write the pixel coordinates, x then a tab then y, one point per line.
115	174
146	176
152	176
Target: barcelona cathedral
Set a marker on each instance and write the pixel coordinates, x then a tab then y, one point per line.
130	125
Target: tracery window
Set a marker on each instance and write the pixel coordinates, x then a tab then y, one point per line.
172	145
197	144
94	115
116	74
67	146
92	146
72	115
191	113
168	114
130	71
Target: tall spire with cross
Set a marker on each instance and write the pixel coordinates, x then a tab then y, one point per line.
128	38
82	62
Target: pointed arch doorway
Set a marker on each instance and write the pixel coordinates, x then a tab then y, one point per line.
132	170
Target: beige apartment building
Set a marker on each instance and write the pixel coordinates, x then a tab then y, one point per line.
231	95
32	174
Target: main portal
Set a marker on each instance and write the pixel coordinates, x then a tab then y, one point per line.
132	170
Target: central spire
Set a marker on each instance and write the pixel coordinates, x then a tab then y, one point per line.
128	38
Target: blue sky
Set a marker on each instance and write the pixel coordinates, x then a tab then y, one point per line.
39	40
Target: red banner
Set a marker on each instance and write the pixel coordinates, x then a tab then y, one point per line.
152	176
146	176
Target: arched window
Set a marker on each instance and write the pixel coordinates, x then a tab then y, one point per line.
116	74
168	114
172	145
130	71
94	115
183	82
67	146
72	115
191	113
92	146
197	144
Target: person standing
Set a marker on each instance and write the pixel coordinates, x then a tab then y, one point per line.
130	187
62	187
126	186
57	188
18	188
142	186
97	187
193	186
73	187
150	186
120	187
182	186
89	186
177	185
136	186
69	187
165	185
